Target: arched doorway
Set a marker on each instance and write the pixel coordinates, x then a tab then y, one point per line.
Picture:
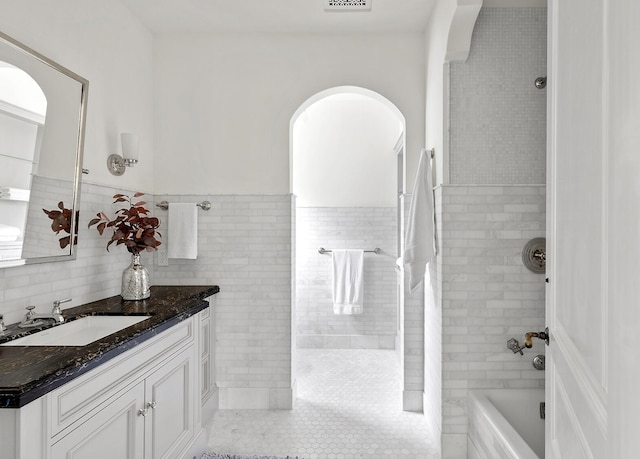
347	168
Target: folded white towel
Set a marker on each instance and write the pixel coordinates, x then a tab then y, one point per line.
348	280
9	233
183	231
15	194
420	236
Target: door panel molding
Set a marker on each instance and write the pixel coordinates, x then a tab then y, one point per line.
562	397
594	393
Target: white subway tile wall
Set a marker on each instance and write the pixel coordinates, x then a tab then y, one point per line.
346	228
413	343
497	115
95	274
488	296
245	246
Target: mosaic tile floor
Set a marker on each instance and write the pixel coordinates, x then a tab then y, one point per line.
348	406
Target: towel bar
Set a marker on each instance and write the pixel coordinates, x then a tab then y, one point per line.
377	251
204	205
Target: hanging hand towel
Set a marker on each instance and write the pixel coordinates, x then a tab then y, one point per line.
183	231
420	237
348	268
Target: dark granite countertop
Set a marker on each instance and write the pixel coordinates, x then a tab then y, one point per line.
29	372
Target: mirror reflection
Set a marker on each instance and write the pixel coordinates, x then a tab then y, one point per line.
42	110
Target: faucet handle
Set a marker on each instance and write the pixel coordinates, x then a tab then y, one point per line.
56	305
514	346
30	312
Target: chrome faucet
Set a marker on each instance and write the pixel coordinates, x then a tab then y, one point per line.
32	319
56	311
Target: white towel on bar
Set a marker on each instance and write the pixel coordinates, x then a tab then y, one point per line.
420	236
183	231
348	280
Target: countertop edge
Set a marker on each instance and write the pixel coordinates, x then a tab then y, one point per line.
97	353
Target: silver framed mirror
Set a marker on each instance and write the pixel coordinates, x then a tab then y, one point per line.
43	108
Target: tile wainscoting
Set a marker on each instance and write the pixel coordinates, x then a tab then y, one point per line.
346	228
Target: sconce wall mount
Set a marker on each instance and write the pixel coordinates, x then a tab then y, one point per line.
130	146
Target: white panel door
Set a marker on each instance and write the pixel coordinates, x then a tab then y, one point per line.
115	432
623	223
169	396
577	376
593	298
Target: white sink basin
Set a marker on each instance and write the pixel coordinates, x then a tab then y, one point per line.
78	332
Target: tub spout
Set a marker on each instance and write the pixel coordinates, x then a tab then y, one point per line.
528	338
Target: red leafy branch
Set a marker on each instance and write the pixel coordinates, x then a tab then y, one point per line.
132	227
61	221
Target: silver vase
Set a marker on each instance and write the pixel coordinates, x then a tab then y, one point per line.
136	284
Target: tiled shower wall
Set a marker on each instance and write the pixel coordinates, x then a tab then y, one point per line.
244	245
497	115
488	296
493	206
346	228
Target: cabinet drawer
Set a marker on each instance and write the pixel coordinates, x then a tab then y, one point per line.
73	402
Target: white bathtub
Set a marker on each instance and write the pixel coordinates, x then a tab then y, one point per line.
505	424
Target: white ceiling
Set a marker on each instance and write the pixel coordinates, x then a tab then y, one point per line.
289	16
197	16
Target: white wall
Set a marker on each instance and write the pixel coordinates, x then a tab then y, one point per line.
436	41
224	102
436	38
343	153
105	44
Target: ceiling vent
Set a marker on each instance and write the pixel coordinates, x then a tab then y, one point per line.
347	5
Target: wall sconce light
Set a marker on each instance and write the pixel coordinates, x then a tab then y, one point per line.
130	147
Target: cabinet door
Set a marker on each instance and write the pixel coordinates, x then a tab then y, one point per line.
169	396
114	432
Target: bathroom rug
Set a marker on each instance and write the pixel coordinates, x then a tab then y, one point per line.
242	456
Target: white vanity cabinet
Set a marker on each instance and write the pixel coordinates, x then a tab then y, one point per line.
153	419
116	431
145	403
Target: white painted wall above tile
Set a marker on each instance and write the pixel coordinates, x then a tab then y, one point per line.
107	45
343	155
224	102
